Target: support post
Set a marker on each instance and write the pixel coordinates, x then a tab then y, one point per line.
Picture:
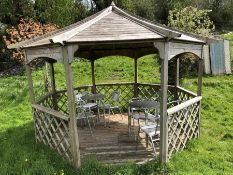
93	76
200	74
135	77
53	85
177	81
30	83
163	106
199	92
73	131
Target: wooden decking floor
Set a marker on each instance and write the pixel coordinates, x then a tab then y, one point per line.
112	144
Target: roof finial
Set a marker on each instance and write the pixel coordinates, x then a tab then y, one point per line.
113	4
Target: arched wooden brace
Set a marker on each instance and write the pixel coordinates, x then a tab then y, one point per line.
199	56
168	50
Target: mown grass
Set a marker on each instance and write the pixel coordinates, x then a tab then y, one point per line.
20	154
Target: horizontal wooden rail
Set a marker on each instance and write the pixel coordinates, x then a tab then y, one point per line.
187	91
148	84
183	105
113	84
51	112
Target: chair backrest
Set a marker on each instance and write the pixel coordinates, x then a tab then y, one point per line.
94	97
116	96
79	100
146	105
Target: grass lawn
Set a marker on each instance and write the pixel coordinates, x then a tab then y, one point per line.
20	154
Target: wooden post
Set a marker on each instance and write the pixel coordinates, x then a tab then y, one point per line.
53	83
74	139
93	76
199	92
200	74
177	81
30	84
163	106
135	77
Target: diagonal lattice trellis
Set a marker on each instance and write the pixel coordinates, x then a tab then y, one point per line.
59	100
152	91
182	126
183	94
126	93
148	91
52	131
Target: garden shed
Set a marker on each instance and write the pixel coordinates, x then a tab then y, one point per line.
217	57
113	31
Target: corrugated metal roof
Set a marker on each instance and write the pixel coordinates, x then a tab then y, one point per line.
110	24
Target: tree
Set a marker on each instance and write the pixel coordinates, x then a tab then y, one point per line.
60	12
11	11
26	29
192	20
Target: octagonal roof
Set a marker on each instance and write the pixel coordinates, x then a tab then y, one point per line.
111	24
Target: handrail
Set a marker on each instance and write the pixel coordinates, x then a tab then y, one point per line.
187	91
102	84
51	112
112	84
149	84
183	105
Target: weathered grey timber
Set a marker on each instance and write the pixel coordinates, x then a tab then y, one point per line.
113	31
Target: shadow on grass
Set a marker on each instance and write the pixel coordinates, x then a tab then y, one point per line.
20	154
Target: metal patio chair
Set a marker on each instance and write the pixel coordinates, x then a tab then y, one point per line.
151	129
84	113
137	111
110	107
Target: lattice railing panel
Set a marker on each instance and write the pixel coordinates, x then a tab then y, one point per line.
184	95
47	101
59	101
126	93
147	91
52	131
182	126
152	91
62	102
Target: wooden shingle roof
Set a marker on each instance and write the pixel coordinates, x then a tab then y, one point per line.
111	24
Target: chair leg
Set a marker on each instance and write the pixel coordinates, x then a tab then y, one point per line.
138	136
93	121
104	117
129	124
98	115
109	113
87	118
121	114
147	141
153	145
133	126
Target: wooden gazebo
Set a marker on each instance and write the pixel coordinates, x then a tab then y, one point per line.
113	31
